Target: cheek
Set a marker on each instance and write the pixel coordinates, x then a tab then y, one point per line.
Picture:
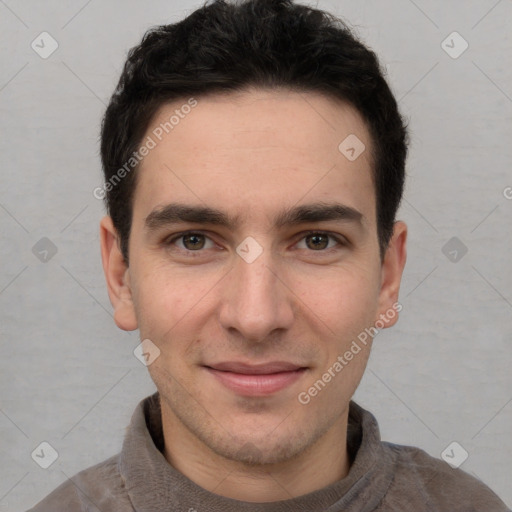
159	302
346	300
171	302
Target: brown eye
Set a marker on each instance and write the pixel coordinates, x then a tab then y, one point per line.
193	241
189	242
318	241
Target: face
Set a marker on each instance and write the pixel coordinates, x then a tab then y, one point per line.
257	287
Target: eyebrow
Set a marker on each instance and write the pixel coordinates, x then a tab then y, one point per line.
175	213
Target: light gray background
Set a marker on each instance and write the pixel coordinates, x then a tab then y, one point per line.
68	375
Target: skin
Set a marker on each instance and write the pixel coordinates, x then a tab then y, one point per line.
254	153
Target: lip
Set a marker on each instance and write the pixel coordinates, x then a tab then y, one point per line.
256	380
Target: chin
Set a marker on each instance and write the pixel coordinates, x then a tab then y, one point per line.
261	450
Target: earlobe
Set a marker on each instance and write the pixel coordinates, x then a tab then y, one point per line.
391	274
117	276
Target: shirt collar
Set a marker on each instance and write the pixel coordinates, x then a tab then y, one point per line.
154	485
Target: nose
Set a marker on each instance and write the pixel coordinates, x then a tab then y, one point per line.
257	302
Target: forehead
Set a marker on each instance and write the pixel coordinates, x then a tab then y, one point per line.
256	151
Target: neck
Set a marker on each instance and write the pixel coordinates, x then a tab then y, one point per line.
322	464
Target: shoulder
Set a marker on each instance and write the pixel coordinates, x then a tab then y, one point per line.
94	489
431	484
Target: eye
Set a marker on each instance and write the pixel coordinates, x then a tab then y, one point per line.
318	241
192	241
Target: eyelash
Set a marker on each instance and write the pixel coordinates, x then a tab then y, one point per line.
341	241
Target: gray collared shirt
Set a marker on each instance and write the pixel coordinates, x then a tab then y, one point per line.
383	477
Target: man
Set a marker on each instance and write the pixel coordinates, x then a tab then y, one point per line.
254	163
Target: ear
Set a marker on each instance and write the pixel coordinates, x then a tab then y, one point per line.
117	275
391	275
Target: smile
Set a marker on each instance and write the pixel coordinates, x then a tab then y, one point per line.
256	380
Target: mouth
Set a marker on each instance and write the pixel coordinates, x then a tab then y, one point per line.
256	380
